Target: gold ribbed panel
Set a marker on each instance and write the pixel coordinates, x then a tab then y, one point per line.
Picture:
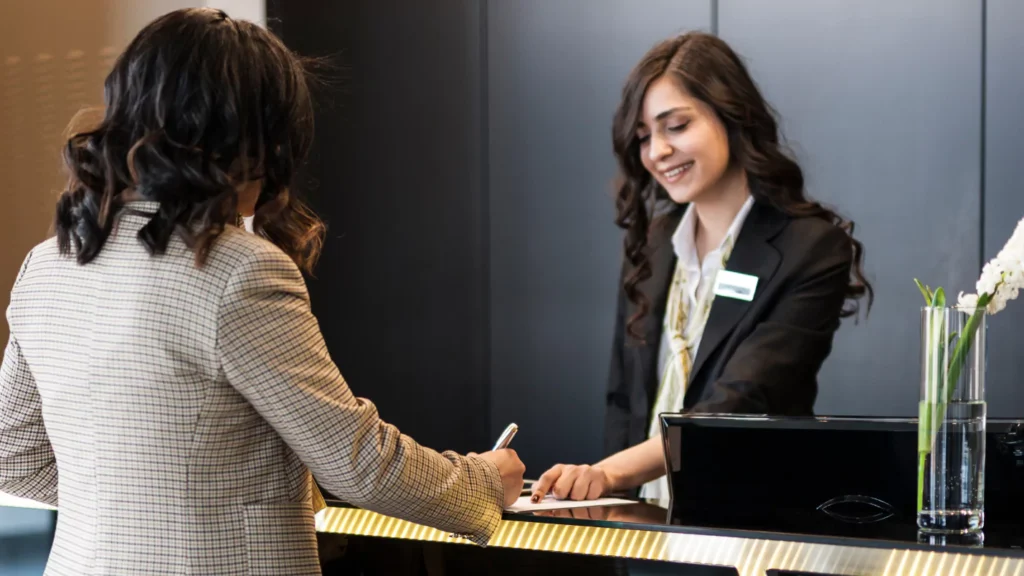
750	556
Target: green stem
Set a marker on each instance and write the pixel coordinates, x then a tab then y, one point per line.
956	366
931	420
956	363
935	344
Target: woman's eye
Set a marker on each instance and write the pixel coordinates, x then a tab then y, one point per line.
679	127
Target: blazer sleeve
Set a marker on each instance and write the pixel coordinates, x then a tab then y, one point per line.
774	370
271	350
28	468
617	409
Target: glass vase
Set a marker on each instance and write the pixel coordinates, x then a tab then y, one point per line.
951	432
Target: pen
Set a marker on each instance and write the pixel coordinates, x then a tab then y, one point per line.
506	437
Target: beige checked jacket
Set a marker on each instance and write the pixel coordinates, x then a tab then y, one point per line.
174	414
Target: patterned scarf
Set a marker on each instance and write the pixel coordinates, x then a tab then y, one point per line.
681	337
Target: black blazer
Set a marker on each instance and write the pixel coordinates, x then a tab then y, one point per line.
757	357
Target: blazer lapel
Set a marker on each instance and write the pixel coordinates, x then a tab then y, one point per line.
752	255
663	261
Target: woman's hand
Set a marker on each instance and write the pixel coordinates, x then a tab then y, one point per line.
622	471
572	482
511	469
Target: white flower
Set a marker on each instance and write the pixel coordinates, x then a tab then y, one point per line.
1003	277
1003	295
1016	240
991	277
1013	268
996	305
967	301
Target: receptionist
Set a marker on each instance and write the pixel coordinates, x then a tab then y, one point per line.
733	282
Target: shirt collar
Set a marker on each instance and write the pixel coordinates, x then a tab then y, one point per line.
149	207
145	206
683	238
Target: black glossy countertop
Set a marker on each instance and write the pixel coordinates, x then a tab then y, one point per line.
890	533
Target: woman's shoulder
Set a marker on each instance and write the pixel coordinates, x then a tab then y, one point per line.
41	253
234	242
236	261
814	237
811	230
815	227
45	250
241	254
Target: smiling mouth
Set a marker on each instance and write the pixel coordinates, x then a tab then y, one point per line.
678	172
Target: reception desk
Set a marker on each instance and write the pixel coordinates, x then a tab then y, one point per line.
758	495
642	539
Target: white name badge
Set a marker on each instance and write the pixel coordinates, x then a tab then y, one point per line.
735	285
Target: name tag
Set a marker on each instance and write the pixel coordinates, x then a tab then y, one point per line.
735	285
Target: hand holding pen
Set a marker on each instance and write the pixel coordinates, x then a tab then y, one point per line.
509	465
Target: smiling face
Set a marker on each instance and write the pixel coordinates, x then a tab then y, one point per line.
683	144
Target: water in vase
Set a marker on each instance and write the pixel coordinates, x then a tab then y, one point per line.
954	475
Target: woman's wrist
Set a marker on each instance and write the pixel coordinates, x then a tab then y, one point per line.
612	481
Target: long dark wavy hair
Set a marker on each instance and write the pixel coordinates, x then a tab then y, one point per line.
196	106
708	69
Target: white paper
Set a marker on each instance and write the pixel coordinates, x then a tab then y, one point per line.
549	502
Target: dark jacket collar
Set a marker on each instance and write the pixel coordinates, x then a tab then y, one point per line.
752	254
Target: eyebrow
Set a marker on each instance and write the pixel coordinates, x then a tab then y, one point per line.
667	113
671	111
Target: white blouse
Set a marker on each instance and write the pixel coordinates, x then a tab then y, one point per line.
698	280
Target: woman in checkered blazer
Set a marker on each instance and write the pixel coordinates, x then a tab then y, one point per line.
165	383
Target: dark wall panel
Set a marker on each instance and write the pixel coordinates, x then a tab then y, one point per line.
1004	192
882	103
556	68
400	291
464	164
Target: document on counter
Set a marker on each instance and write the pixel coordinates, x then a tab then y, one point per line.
549	502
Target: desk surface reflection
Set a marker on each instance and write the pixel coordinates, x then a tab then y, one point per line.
646	532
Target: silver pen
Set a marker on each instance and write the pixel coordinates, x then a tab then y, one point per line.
506	437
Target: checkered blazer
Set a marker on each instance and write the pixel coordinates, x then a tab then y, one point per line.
175	413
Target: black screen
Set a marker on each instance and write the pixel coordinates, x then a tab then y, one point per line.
846	477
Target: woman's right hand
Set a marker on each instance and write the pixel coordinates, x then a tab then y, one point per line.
572	482
511	469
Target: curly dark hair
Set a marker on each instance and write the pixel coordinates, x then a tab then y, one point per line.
196	106
708	69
